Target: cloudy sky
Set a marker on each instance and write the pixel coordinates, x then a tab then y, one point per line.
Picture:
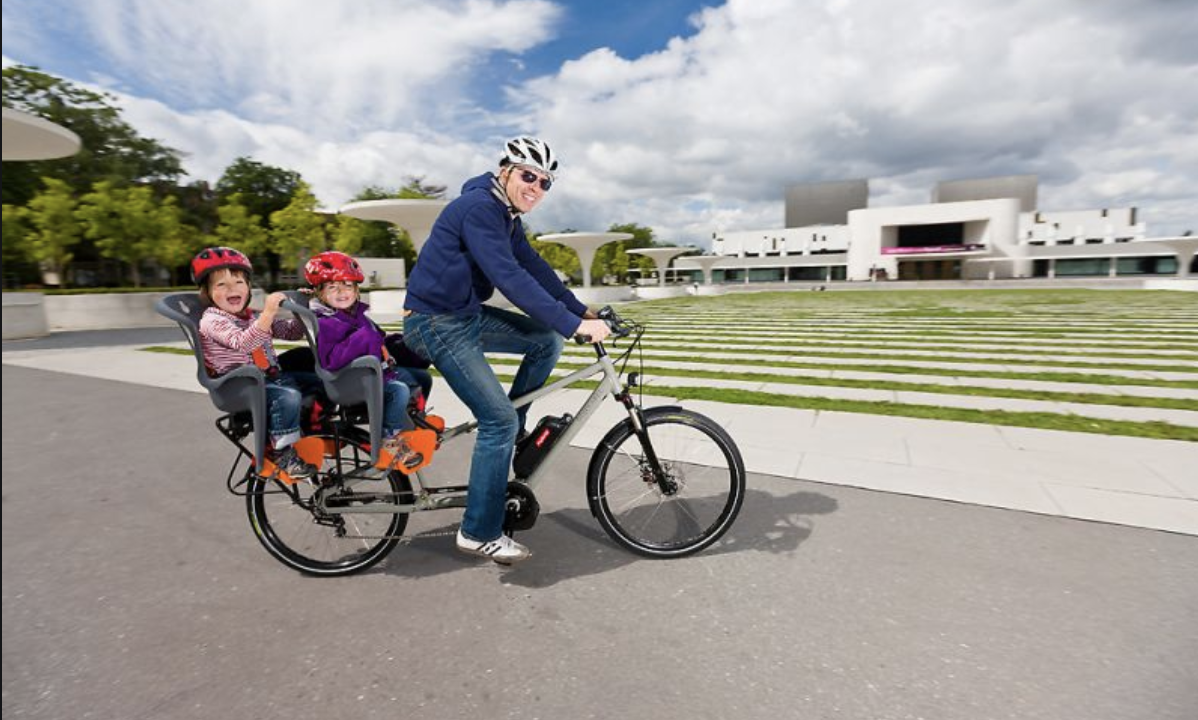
686	116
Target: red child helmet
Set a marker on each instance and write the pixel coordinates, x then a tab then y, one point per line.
332	266
215	258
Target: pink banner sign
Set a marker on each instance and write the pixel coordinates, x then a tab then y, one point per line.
929	249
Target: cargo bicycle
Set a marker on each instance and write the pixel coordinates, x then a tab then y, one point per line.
664	482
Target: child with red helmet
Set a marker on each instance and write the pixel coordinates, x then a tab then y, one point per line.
346	333
233	335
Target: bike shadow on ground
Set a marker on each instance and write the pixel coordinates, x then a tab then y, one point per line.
569	543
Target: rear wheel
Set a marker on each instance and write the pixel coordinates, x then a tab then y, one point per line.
294	529
684	509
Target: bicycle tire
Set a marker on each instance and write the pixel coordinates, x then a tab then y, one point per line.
696	454
285	522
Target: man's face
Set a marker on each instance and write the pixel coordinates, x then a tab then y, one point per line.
524	187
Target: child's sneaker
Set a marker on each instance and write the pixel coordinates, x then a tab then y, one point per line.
502	549
289	461
403	454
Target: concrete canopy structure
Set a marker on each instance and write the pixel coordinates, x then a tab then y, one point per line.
585	244
661	257
29	137
705	263
415	216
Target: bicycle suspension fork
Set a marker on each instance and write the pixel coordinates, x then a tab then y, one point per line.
636	417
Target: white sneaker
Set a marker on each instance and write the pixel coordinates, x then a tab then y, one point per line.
502	549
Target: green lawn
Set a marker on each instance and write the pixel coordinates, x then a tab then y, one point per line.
1108	338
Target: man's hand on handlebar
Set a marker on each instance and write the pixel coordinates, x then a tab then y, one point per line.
592	331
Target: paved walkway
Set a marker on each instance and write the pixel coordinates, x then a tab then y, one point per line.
1122	480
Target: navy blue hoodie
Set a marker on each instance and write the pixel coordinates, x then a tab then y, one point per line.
475	247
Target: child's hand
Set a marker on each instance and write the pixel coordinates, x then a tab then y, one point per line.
273	301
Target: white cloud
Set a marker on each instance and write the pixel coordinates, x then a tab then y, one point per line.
333	68
1095	96
765	95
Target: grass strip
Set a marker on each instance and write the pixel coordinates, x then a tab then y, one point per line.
1040	421
714	346
959	372
1043	421
976	391
906	342
802	348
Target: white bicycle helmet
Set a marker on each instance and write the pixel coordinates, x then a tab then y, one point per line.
529	151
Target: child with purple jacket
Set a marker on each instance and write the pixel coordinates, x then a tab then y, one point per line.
345	333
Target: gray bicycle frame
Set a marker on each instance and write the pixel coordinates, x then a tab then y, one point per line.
435	498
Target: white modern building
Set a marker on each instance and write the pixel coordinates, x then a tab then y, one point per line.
972	229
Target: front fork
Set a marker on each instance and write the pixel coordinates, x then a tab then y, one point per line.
652	469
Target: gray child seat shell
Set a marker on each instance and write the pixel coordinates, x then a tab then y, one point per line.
240	390
360	382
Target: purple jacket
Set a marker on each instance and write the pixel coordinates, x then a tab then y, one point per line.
345	336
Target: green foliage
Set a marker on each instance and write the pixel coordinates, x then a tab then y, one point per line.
350	233
613	259
239	228
112	150
131	225
297	232
56	230
264	189
559	257
16	230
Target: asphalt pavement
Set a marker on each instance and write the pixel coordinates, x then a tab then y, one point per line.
134	588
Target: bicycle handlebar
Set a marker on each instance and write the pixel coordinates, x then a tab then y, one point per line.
620	328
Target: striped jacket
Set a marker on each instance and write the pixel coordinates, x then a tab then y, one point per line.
229	341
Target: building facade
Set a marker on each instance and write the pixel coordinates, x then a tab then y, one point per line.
973	229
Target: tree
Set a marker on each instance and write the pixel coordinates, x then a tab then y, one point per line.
264	189
56	230
132	225
417	190
16	232
112	150
241	229
297	231
613	258
559	257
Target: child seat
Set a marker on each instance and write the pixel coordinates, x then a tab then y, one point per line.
240	390
359	382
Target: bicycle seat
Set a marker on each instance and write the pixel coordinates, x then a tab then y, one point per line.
238	391
359	382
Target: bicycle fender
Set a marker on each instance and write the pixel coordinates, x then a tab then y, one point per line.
620	428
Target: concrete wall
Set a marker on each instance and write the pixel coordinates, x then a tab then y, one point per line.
383	272
104	311
24	315
35	314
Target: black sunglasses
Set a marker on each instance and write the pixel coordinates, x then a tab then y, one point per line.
531	177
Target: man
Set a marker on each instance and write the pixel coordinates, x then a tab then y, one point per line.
478	245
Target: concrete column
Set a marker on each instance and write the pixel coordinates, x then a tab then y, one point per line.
1184	258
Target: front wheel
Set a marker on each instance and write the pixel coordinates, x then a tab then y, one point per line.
671	490
289	523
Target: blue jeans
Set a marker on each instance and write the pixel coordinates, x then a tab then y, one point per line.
455	344
395	407
284	401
